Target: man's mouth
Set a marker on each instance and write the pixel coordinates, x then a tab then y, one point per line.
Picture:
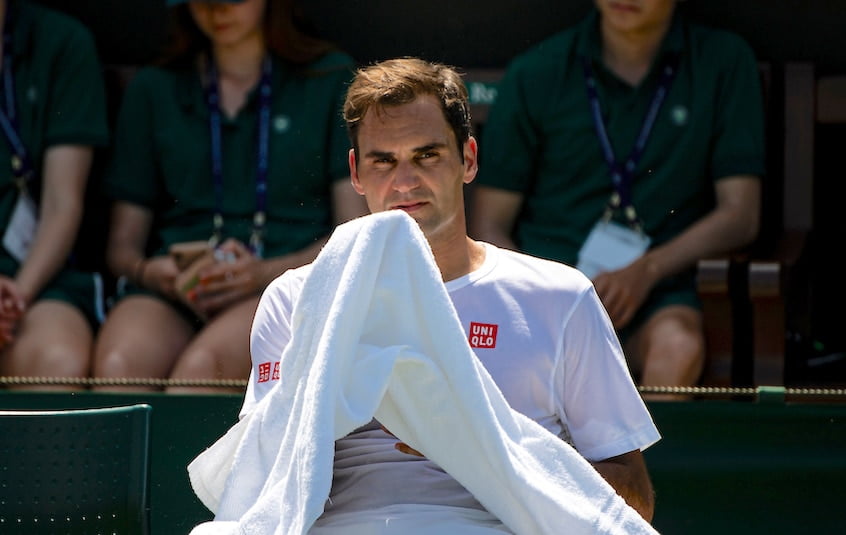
408	206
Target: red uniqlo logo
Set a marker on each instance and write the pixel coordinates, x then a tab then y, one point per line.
264	372
482	335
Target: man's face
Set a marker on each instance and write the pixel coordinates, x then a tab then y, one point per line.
408	160
636	16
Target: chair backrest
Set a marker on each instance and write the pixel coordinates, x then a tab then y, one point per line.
75	471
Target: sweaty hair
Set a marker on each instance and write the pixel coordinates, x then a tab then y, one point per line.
286	34
401	81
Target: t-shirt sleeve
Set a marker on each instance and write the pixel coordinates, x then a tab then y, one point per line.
77	101
605	413
132	169
739	130
269	335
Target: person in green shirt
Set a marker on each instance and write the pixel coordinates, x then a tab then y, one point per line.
234	147
51	121
631	146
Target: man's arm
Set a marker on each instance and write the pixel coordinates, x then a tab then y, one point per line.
628	475
732	224
492	215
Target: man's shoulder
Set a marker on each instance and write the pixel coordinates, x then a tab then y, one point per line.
291	280
521	268
546	63
713	41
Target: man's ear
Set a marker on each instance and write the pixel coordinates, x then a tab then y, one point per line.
354	180
471	159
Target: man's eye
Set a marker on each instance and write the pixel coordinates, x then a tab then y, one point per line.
427	155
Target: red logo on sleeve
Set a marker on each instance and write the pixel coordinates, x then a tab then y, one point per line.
482	335
264	372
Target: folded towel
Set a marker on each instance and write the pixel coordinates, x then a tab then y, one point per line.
375	334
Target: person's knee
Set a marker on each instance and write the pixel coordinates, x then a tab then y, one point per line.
675	345
52	359
679	344
111	362
198	362
221	350
119	357
203	364
203	361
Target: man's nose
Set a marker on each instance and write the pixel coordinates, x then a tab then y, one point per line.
406	177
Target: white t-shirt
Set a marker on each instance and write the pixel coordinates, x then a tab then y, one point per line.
541	332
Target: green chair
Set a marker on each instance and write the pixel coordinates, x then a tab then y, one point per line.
84	471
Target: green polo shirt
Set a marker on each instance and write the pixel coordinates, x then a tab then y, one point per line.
540	138
162	155
60	101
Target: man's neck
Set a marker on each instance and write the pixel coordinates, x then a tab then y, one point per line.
630	54
458	257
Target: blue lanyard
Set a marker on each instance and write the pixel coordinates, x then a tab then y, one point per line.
622	176
21	166
262	154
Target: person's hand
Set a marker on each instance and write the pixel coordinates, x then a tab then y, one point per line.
623	291
159	274
234	276
402	446
12	308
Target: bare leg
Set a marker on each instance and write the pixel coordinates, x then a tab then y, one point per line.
220	351
142	337
669	350
54	340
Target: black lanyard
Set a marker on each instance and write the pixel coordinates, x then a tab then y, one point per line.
622	176
21	165
262	156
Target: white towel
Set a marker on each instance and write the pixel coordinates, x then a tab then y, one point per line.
375	334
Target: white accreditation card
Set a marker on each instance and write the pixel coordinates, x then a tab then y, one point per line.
21	230
611	246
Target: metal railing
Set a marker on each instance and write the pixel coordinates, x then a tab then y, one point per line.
700	392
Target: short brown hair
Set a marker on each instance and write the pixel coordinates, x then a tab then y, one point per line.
400	81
